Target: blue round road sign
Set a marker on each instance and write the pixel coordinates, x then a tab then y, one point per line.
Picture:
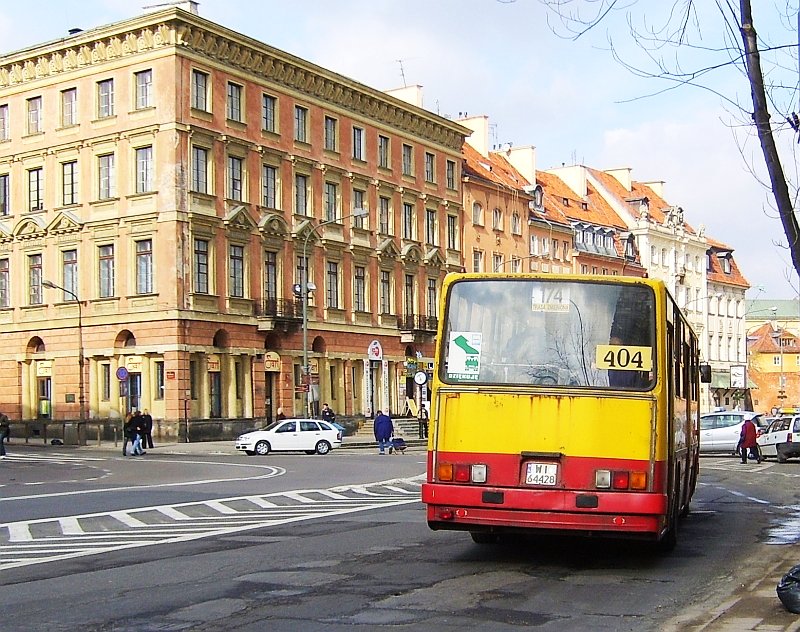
122	373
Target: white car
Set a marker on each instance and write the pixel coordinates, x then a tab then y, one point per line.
719	431
781	439
291	435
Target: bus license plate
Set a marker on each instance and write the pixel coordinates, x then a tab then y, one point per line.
541	474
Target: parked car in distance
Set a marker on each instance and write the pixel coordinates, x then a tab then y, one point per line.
291	435
720	430
781	439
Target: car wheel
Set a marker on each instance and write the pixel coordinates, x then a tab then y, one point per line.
249	452
262	448
323	447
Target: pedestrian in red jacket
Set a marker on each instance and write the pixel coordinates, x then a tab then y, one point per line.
747	441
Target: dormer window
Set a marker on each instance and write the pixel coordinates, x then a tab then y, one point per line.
584	205
538	198
725	262
565	201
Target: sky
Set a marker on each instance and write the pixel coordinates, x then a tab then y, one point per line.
571	99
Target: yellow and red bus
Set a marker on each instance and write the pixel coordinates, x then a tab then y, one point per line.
562	404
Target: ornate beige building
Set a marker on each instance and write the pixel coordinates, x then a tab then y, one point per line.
166	185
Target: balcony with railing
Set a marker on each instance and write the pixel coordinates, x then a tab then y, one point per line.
279	313
417	324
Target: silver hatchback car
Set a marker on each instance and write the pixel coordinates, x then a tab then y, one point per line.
719	431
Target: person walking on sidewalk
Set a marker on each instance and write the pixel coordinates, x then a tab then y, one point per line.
5	433
747	441
147	429
138	429
128	430
383	430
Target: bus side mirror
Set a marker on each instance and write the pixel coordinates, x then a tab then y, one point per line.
705	373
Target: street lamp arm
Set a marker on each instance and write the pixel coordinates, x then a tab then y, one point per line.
306	289
81	383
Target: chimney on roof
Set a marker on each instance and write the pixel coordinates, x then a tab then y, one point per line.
623	176
479	139
657	186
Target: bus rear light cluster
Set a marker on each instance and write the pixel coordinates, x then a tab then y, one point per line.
462	472
620	479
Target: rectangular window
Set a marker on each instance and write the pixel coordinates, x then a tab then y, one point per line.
159	366
408	294
201	266
433	298
269	186
516	224
237	271
4	286
332	286
5	207
69	182
35	279
497	263
331	197
105	381
384	215
144	266
408	160
234	110
408	221
235	178
144	169
477	261
330	133
144	89
386	292
301	270
106	270
199	169
358	203
450	174
36	189
193	379
270	276
452	232
106	179
497	219
430	226
358	143
300	124
430	167
69	273
301	194
199	90
268	113
105	98
35	115
4	123
359	289
383	152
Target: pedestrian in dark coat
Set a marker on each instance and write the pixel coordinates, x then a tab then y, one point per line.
147	429
747	441
128	433
383	429
5	432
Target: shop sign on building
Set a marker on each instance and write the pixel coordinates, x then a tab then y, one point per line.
213	364
272	362
44	368
375	350
133	364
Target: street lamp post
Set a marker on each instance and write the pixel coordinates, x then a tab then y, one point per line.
81	392
305	290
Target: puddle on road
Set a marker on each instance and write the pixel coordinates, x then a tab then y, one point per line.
785	529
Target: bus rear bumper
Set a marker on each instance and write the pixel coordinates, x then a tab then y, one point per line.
467	508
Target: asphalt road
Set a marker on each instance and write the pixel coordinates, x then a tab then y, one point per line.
92	541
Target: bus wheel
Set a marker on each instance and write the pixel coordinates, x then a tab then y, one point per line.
670	539
483	537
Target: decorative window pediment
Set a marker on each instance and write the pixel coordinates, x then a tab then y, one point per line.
273	224
30	228
64	223
239	219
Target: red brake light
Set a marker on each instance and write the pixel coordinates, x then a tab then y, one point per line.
461	473
620	480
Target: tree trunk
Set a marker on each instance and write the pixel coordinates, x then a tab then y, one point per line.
761	116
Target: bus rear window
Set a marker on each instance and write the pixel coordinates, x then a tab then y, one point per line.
549	333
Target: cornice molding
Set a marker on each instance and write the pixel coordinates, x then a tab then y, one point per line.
194	36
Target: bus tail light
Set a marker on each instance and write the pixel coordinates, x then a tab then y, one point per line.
445	471
462	472
621	479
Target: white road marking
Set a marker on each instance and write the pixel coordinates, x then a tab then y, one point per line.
44	540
